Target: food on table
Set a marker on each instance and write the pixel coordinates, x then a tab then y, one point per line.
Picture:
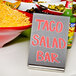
42	2
1	0
61	8
52	7
12	18
34	10
13	5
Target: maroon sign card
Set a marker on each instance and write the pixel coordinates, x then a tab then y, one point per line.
48	44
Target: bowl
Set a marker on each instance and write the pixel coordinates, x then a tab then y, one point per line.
9	33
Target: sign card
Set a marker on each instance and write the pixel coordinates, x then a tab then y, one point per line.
48	44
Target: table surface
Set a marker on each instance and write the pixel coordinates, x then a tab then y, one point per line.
14	56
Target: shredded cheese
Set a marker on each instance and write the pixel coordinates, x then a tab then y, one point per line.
12	18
